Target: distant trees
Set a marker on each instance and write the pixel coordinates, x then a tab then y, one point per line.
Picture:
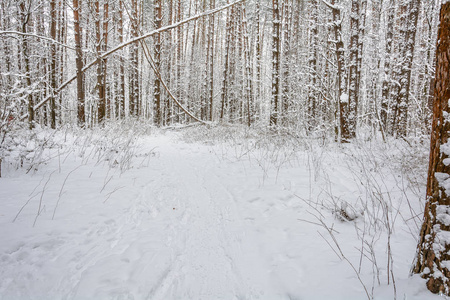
334	67
433	252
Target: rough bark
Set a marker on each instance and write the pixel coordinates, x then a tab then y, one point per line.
433	254
354	73
408	32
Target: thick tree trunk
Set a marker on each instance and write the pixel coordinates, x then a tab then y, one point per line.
433	254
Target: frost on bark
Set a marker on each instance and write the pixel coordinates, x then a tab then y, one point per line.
433	253
53	58
210	66
312	61
276	33
248	69
120	101
354	73
134	61
286	61
180	58
101	33
157	57
385	89
410	11
225	79
342	95
25	14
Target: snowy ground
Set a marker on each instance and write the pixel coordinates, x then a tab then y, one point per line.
185	215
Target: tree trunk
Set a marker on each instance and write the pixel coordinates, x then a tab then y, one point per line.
134	57
100	65
342	96
224	93
211	61
286	61
433	252
120	104
79	64
53	70
408	31
157	56
312	62
276	33
258	49
180	57
385	89
25	14
353	88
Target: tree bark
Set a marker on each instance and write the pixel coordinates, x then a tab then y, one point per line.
276	33
79	64
157	56
433	253
53	58
385	89
25	18
354	73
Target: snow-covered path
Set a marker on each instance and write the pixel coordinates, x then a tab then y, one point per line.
195	223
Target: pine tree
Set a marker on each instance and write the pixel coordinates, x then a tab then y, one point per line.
433	251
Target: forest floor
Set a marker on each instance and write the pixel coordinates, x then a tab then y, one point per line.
219	213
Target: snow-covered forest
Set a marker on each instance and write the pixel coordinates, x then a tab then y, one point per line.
224	149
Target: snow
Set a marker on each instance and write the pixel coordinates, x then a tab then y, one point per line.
181	214
344	98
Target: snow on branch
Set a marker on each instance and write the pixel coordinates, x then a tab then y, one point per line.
134	40
12	32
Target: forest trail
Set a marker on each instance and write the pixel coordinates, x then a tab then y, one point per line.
189	235
196	222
